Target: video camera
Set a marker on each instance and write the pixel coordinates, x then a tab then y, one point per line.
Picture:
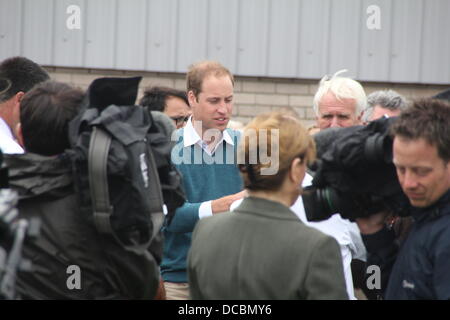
354	174
13	233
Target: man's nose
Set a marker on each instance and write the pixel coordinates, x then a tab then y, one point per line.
334	123
222	109
409	181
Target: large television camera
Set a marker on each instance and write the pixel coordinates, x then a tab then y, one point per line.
354	174
13	233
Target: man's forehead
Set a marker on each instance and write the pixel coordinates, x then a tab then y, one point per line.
215	79
379	111
414	149
217	87
336	113
412	142
330	103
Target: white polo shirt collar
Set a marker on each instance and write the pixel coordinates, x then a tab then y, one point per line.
191	137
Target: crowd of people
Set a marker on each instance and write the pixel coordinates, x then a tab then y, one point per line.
242	232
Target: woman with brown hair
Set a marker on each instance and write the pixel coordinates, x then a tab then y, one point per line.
262	250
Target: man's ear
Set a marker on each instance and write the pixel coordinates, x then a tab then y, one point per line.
16	104
18	97
15	115
191	98
19	135
359	118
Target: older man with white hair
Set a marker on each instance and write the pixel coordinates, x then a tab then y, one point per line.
339	102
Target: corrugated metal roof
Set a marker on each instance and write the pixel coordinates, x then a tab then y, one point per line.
268	38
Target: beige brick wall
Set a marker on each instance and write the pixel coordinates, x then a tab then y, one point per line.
252	95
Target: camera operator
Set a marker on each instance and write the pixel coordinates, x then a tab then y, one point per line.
71	260
419	269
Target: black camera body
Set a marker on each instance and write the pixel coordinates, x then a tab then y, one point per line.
354	174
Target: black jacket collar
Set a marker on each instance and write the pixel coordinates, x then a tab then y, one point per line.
439	208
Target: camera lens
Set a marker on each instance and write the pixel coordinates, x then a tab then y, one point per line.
320	204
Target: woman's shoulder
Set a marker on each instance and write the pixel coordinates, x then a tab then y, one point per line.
214	220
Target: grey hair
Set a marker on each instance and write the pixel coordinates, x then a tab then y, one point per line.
341	87
388	99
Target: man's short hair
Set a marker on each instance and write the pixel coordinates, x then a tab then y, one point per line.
428	119
342	88
201	70
155	98
22	74
45	113
388	99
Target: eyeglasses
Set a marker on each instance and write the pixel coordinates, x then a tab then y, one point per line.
180	120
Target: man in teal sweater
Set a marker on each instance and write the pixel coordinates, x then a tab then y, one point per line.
206	157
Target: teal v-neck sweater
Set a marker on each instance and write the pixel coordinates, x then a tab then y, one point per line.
204	178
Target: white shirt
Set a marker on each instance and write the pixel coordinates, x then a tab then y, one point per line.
191	137
345	232
7	142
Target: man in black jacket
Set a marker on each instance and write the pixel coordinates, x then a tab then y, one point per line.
420	268
70	259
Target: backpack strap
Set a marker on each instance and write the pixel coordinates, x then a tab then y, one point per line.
157	201
99	145
98	182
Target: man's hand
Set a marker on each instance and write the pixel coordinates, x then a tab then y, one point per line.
373	223
223	204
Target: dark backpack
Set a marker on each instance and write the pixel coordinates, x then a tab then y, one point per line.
121	161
